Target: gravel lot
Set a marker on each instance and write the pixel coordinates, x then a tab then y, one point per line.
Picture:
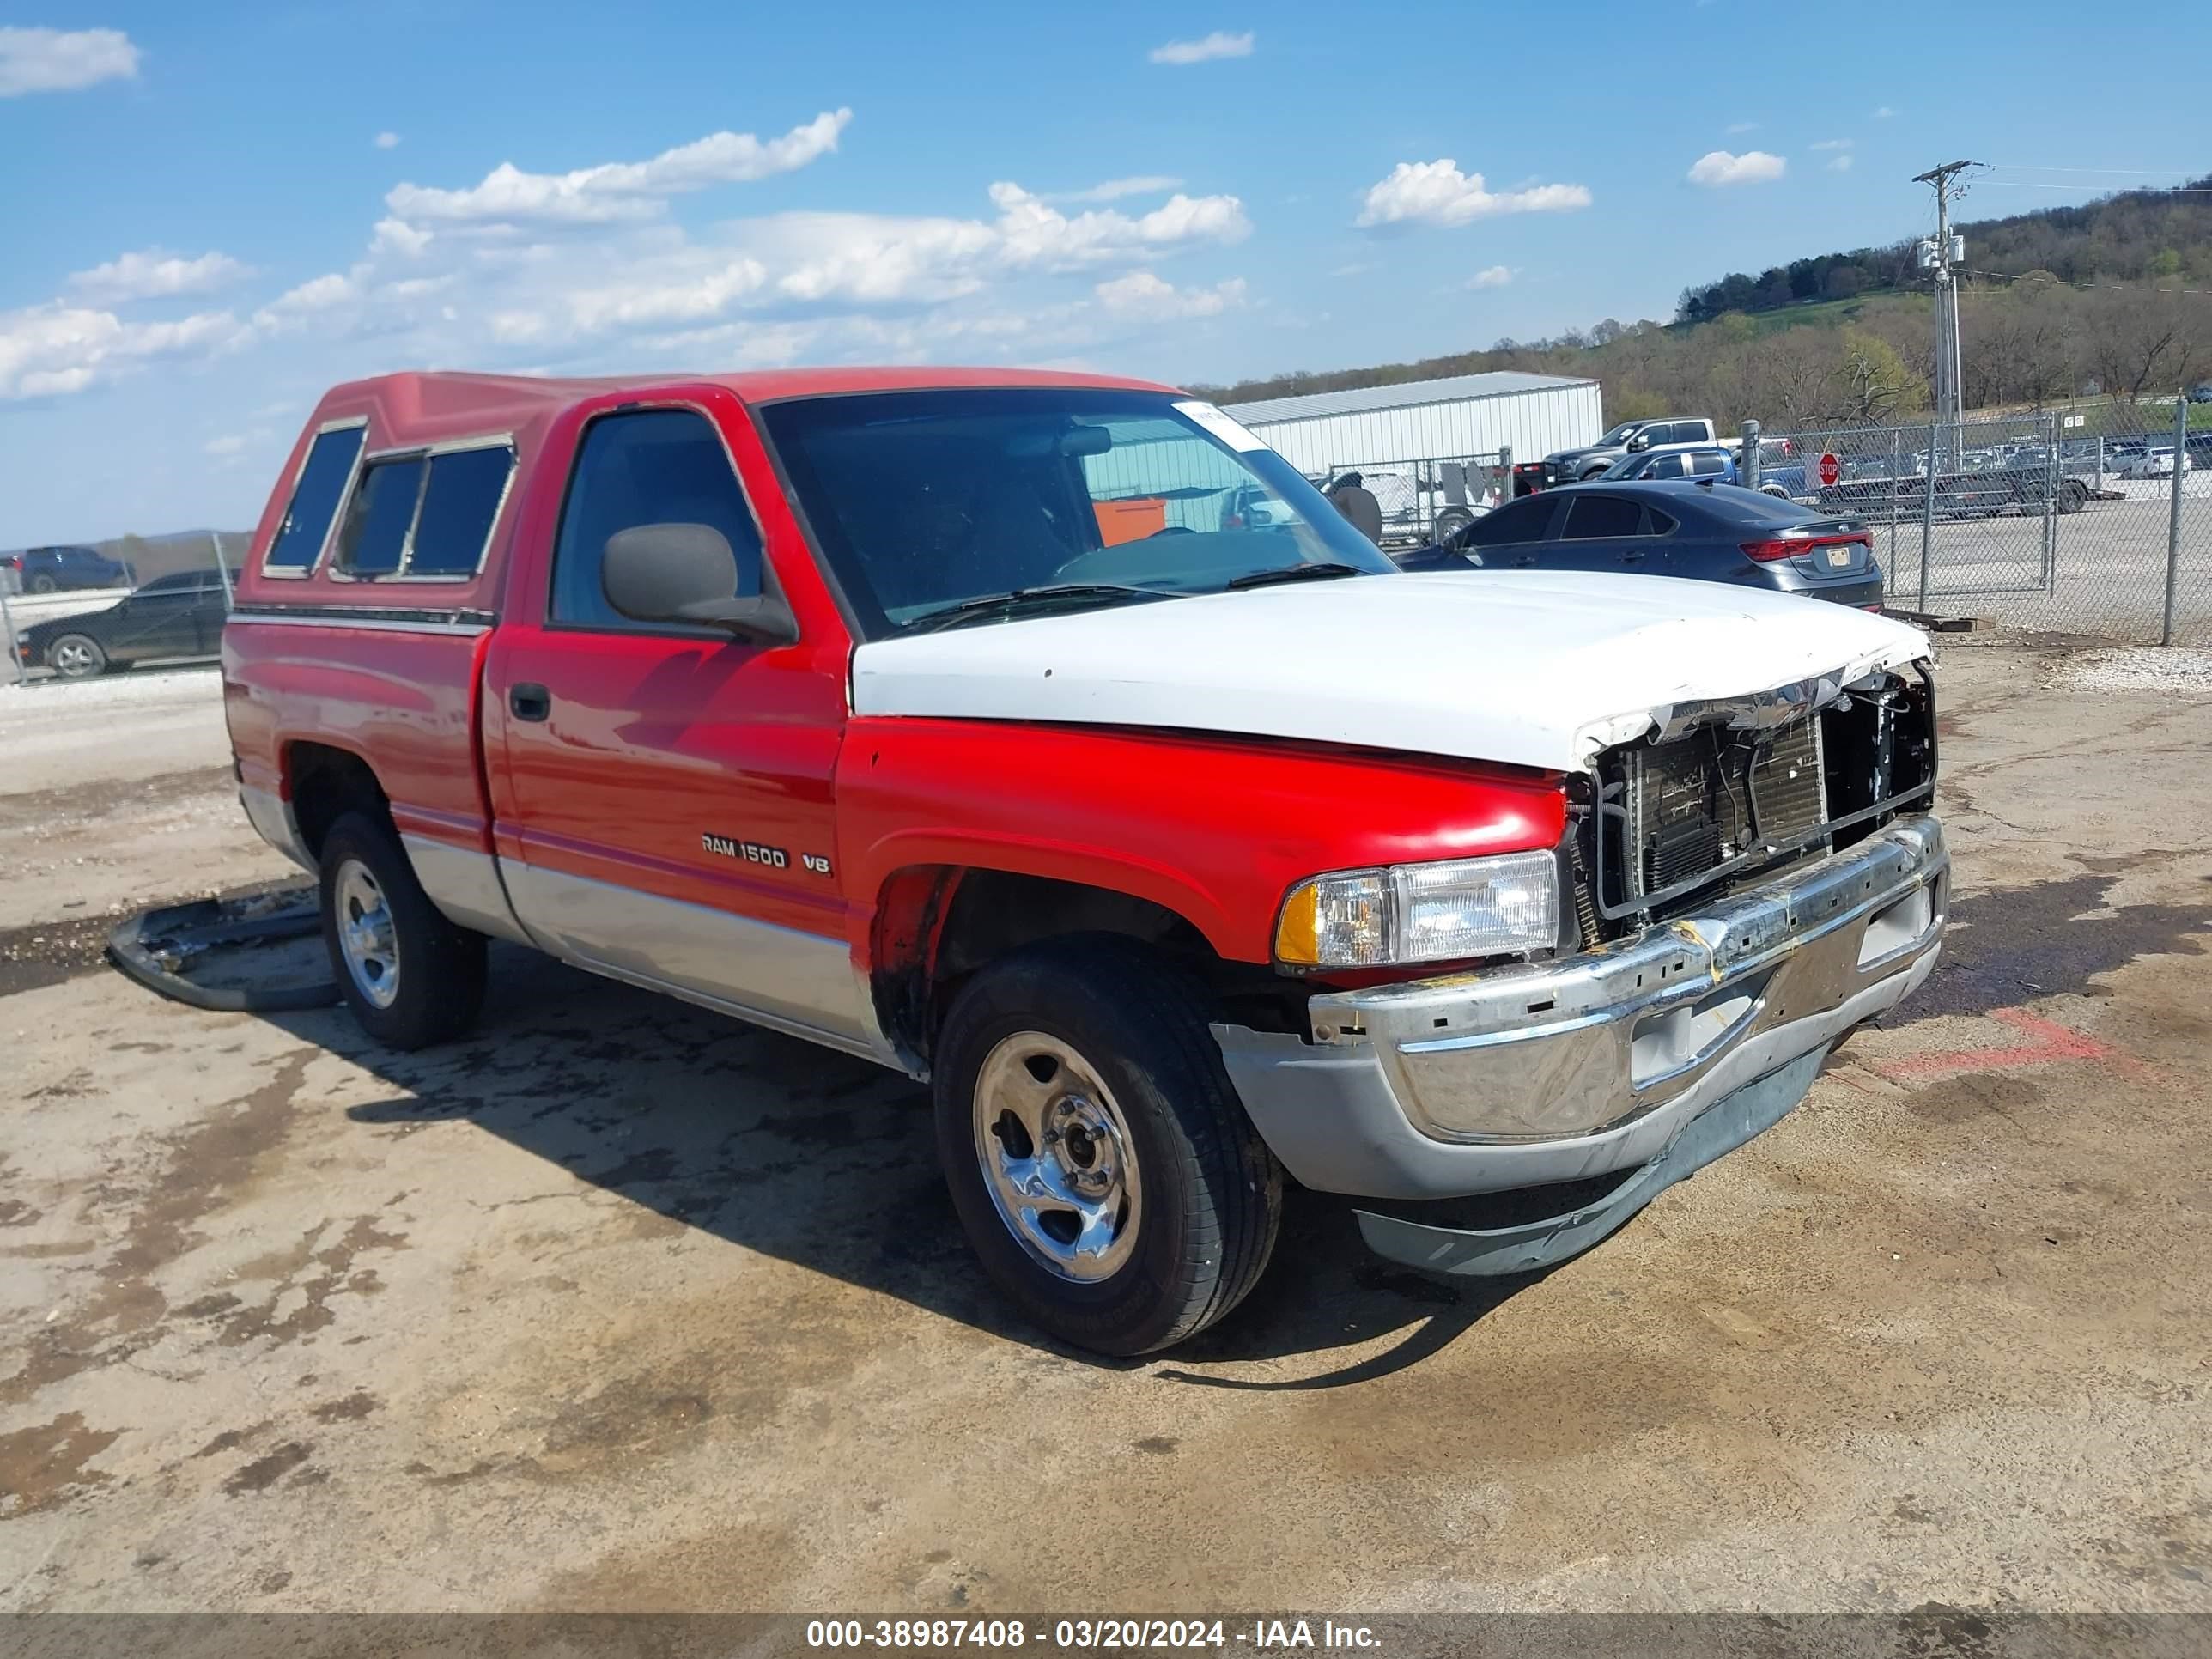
619	1305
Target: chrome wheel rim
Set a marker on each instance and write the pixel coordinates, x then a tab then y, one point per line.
367	937
73	657
1057	1157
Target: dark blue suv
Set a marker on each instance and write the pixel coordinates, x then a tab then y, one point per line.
51	569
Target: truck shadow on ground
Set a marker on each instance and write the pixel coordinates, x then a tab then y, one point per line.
830	1163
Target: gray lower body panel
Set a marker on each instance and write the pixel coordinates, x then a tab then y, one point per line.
801	983
1534	1245
270	815
465	886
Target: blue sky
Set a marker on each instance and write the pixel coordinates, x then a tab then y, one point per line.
215	212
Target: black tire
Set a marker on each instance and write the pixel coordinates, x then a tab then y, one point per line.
43	585
76	656
436	983
1210	1192
1449	524
2072	496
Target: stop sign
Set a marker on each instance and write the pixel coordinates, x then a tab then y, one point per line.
1830	472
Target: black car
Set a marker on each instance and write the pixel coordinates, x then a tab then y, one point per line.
178	616
1715	533
55	570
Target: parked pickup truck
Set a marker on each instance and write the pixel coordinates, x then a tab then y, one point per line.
946	719
1629	438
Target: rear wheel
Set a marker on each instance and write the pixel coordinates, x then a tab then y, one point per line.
1449	523
43	585
2073	495
76	657
1101	1163
411	977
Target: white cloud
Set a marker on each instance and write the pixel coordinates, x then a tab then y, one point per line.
1736	127
229	444
57	60
1717	167
1840	164
385	141
1142	294
1439	193
1357	268
1884	112
1492	276
54	349
398	236
708	293
1220	43
293	308
155	274
1832	143
1115	189
620	190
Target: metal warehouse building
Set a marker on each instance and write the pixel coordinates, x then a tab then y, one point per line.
1462	416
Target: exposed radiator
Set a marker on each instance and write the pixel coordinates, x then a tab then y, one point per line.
1704	799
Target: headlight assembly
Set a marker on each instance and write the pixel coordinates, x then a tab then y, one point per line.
1413	913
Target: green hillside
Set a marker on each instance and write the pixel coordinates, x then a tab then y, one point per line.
2040	324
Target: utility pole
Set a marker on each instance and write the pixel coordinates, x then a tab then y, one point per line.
1940	256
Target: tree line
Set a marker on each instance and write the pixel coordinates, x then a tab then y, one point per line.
2134	236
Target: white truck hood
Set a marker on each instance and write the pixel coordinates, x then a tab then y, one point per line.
1528	668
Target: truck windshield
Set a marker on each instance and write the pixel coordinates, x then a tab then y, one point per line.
923	502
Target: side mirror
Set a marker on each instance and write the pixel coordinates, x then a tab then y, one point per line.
686	573
1640	441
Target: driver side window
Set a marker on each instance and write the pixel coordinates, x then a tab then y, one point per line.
650	466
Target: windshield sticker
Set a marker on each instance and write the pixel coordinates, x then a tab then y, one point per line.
1220	426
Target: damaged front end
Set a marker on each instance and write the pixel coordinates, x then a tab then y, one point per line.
1723	792
1753	877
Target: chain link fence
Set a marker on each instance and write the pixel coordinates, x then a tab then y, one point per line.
1426	498
76	613
2096	522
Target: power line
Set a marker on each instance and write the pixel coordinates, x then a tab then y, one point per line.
2140	189
2023	166
2123	288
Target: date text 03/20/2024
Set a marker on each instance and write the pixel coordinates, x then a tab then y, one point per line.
1258	1636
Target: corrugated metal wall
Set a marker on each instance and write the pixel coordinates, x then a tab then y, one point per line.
1534	423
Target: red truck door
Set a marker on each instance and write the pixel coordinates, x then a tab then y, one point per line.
662	793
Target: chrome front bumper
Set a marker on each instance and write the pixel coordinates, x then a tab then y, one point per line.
1559	1070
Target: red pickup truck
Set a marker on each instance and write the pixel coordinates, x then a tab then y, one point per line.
975	723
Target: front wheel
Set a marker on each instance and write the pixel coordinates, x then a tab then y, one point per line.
76	657
1448	525
44	585
1100	1163
411	977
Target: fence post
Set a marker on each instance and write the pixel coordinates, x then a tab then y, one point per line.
2052	482
2173	510
1748	468
1927	514
222	569
1896	471
7	626
1504	474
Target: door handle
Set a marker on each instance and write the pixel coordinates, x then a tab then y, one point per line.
1631	558
529	701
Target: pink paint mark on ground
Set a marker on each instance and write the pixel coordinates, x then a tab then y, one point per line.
2050	1043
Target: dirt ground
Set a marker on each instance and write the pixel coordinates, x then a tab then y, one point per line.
618	1305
